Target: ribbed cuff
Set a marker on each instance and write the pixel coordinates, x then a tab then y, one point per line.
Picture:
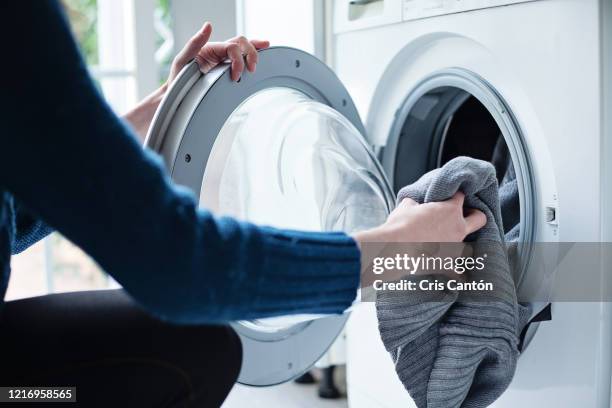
302	272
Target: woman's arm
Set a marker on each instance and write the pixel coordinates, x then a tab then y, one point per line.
207	55
68	158
30	229
75	165
141	115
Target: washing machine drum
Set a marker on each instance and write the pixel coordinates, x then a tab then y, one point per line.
284	147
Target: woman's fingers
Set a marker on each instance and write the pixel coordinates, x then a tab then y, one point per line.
239	50
260	44
194	45
458	199
217	52
234	53
408	202
474	220
248	50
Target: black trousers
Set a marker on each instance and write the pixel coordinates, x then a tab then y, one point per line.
114	353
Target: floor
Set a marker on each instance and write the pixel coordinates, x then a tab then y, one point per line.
288	395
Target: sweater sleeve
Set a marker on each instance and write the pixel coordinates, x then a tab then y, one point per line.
28	229
76	166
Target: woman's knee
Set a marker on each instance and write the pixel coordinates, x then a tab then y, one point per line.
230	348
218	365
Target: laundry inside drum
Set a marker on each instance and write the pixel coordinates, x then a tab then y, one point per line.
447	122
472	131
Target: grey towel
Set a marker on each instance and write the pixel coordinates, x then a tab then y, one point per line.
449	351
508	190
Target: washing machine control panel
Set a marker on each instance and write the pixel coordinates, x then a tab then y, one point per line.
351	15
415	9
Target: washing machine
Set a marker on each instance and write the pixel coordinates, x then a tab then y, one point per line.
286	146
434	78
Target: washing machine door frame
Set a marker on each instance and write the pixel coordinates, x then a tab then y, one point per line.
216	94
183	132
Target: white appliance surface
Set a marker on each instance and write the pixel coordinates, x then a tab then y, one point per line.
545	59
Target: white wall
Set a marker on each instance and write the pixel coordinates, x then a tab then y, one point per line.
189	15
283	22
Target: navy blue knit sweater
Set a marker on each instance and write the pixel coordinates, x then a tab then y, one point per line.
65	158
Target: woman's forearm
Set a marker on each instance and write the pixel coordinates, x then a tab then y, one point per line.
140	117
85	174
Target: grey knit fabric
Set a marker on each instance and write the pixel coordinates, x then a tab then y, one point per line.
508	190
450	351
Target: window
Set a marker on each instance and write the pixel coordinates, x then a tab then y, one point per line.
128	48
115	70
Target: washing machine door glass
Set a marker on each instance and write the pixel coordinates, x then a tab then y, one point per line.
284	160
284	147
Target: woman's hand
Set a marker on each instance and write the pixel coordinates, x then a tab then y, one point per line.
444	221
207	55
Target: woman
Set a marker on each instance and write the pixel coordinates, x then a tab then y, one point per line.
67	160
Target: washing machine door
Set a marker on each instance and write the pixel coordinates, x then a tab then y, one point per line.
282	147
